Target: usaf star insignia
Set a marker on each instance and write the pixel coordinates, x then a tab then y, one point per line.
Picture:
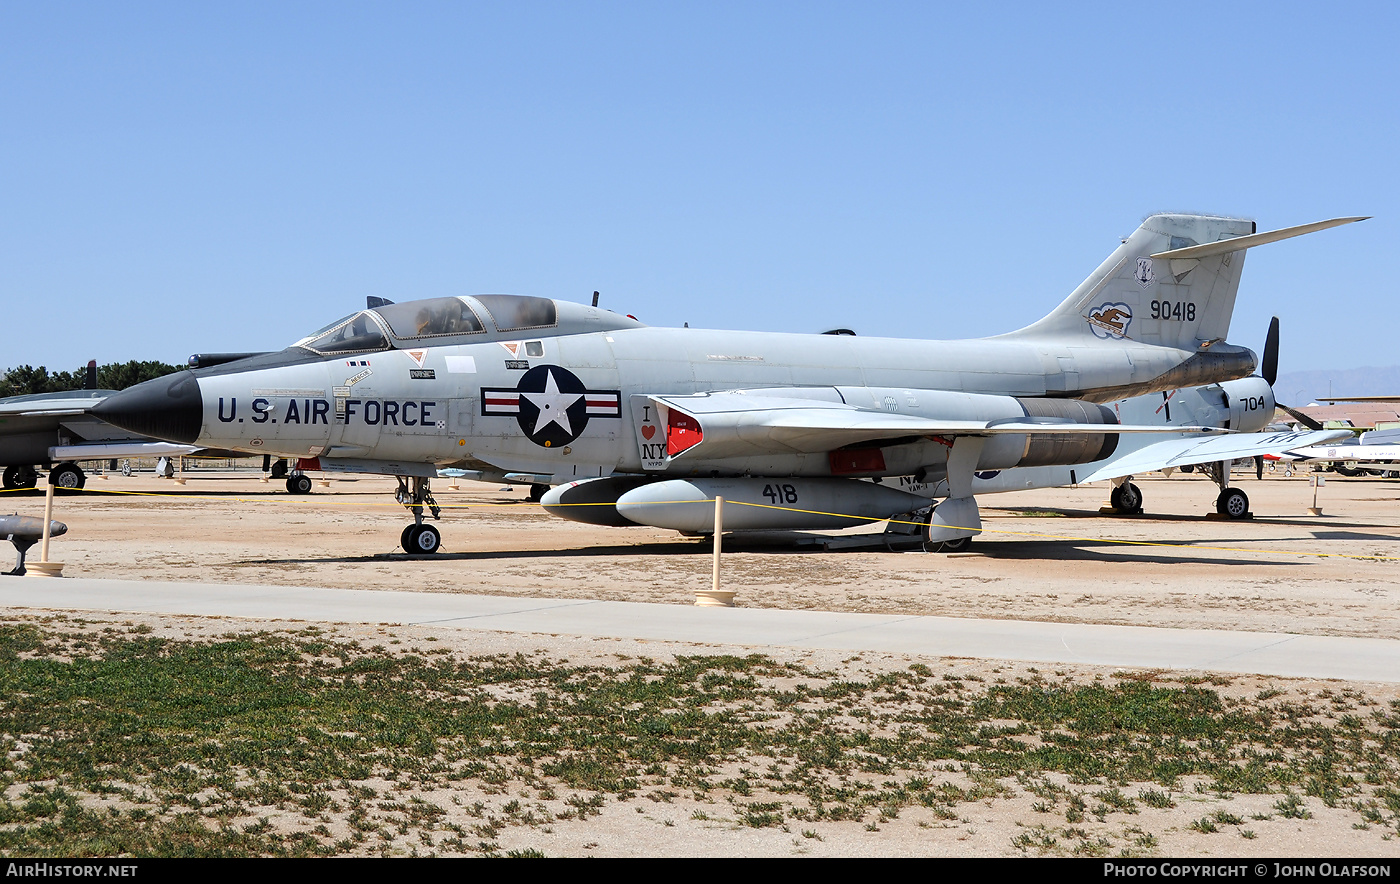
551	405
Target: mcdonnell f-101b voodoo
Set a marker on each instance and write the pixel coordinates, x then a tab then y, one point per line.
661	421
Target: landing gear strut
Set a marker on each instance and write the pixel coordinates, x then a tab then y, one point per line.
952	523
418	538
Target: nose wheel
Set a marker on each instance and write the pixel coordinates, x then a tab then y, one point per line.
299	483
420	540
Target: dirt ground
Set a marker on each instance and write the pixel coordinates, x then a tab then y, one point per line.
1045	555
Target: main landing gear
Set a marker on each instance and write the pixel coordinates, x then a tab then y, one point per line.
418	538
952	523
1126	498
68	476
20	477
1232	503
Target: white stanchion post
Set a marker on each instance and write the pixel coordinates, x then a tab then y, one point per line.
43	567
716	597
48	521
1317	480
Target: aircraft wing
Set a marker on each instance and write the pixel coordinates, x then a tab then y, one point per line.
52	404
737	424
1186	451
1347	453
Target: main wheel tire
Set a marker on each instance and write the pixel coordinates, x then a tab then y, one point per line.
68	476
1232	502
423	540
538	491
1188	468
1126	498
957	544
20	477
406	538
299	484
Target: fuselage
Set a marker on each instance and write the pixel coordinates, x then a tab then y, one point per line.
568	399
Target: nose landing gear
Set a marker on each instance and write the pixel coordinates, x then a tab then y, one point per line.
418	538
299	483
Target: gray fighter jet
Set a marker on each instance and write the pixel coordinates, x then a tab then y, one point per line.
663	421
34	425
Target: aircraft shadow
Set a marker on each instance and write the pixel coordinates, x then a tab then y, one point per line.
1093	551
1352	535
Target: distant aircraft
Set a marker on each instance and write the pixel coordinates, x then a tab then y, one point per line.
1376	452
58	431
32	424
665	420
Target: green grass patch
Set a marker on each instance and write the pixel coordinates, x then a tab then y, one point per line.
114	741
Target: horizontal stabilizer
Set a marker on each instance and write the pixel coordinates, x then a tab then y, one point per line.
1225	246
1185	452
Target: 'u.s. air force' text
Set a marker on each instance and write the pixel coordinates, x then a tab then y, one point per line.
375	412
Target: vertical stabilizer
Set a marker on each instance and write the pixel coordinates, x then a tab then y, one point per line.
1173	302
1172	283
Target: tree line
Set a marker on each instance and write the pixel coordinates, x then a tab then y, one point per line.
112	376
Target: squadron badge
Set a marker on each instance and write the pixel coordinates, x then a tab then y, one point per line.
1111	320
1144	272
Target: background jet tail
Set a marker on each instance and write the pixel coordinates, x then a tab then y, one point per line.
1172	283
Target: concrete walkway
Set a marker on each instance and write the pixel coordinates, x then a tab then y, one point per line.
1294	656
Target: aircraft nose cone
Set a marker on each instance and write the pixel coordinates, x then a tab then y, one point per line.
169	408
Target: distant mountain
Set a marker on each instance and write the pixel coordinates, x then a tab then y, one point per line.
1299	388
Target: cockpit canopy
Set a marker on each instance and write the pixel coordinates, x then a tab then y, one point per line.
460	320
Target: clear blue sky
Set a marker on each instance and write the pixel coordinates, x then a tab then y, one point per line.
198	176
